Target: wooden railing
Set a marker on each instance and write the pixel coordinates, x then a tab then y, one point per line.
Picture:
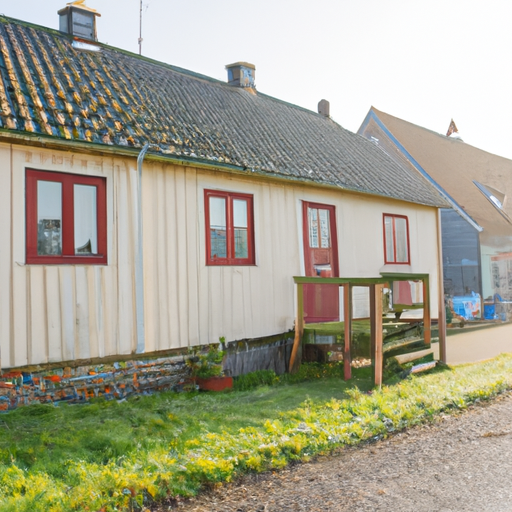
376	286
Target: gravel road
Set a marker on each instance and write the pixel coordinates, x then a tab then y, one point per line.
462	462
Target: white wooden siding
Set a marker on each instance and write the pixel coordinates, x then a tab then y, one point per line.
51	313
54	313
5	256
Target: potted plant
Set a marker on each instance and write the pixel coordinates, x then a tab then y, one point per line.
206	369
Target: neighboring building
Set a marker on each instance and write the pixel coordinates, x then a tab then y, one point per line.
240	192
477	229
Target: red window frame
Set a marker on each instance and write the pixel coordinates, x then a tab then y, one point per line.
230	229
67	181
393	217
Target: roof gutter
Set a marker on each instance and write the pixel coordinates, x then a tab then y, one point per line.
49	142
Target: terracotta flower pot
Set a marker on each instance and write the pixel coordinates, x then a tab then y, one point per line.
214	383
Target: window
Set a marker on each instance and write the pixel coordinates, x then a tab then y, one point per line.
319	229
229	228
396	239
66	218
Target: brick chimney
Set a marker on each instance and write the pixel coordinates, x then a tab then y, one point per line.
242	74
79	20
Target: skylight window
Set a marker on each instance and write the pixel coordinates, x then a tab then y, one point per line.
496	197
496	201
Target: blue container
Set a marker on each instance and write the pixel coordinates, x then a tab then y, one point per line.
468	307
489	312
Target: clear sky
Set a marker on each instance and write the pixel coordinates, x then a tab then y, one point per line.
425	61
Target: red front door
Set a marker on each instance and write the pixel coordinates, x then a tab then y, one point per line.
321	302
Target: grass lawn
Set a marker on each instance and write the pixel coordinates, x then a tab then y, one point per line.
127	455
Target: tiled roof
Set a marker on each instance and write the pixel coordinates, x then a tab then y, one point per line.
111	97
454	165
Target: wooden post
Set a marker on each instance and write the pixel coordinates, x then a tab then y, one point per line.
376	331
296	354
347	318
426	311
441	319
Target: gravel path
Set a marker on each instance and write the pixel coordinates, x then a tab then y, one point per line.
463	462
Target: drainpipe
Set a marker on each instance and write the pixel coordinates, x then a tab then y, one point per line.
139	267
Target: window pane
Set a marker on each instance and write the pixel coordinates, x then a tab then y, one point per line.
240	228
402	255
240	213
241	247
388	233
49	218
313	227
218	247
325	238
86	222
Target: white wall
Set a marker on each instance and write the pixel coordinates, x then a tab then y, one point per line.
190	302
65	312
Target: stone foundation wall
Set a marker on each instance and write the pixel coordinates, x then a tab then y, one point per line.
118	380
76	385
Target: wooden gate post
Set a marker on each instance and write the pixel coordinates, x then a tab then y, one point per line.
376	331
347	319
426	311
296	354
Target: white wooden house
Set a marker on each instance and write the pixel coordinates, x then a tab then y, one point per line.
239	193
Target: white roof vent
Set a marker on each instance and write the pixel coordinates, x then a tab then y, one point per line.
324	108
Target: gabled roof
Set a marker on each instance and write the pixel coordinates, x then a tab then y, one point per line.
111	97
456	168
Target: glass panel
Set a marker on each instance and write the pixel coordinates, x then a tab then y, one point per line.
388	234
325	237
240	213
240	227
241	243
86	222
402	255
49	218
313	227
218	246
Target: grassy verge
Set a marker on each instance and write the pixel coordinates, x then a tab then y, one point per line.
125	456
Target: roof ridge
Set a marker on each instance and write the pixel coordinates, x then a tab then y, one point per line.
443	137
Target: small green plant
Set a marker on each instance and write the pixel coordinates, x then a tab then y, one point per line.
207	362
449	314
256	379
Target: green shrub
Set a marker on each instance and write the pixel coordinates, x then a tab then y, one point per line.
255	379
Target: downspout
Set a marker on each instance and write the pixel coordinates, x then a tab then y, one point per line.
139	263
